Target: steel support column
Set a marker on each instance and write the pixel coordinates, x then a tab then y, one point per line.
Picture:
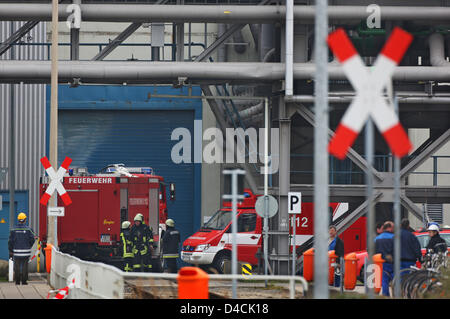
74	44
282	245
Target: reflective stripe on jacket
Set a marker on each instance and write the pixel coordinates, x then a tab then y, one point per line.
126	244
170	243
21	239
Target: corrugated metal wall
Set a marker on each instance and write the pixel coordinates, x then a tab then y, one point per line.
30	118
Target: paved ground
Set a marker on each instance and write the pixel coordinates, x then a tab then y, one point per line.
37	288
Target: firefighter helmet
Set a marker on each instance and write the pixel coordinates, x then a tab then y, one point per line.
21	217
126	224
138	217
170	222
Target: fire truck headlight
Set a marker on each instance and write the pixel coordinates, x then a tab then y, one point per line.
202	247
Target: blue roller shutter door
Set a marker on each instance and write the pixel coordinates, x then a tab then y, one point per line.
135	138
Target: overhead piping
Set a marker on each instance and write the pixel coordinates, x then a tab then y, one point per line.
152	72
437	51
215	14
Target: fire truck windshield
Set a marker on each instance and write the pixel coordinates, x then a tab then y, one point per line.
219	220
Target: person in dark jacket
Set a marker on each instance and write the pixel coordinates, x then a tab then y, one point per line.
410	247
21	239
436	243
142	238
384	245
170	246
336	244
126	247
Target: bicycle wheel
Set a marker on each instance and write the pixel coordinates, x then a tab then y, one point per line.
403	273
414	282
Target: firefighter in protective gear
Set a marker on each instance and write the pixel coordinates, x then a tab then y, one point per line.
126	247
170	246
21	239
142	238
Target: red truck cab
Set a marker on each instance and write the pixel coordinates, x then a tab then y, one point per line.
211	245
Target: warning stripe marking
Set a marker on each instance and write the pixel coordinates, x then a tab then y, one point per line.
246	269
369	85
56	183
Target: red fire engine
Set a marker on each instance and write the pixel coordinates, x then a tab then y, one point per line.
211	245
90	228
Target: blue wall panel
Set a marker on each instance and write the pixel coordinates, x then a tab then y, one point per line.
101	125
21	200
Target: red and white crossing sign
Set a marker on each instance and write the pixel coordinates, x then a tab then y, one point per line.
369	85
56	181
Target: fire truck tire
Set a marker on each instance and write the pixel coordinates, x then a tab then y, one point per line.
220	261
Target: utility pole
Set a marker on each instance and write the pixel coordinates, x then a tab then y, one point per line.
52	220
12	149
321	192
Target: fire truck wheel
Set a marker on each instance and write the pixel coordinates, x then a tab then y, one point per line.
220	261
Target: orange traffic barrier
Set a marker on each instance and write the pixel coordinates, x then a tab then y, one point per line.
331	260
350	274
308	264
48	257
378	261
192	283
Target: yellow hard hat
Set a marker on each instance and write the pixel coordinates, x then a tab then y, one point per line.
21	217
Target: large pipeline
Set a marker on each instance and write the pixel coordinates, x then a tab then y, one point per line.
215	14
151	72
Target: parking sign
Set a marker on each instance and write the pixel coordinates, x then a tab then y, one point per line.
295	203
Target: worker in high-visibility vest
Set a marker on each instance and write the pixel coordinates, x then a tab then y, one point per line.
170	246
21	239
126	247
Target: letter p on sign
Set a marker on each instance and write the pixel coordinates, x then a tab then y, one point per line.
295	203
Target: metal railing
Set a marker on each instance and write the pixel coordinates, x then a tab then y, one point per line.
94	280
101	45
345	172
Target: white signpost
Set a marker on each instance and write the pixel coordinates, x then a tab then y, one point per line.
294	208
56	211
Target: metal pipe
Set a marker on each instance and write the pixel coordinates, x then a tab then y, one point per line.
425	99
369	150
215	14
266	185
145	72
321	191
437	50
397	219
289	78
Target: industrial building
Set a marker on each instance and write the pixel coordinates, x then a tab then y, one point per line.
132	73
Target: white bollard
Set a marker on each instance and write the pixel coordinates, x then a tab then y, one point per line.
11	270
